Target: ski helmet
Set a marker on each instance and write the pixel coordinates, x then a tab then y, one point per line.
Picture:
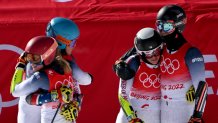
65	31
43	46
171	17
148	42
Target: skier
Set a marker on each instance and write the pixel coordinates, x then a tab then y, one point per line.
51	74
25	110
66	33
183	86
139	96
171	20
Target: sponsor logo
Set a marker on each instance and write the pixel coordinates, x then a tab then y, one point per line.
50	72
179	15
199	59
145	106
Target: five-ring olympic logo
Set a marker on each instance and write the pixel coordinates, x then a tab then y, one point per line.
70	83
66	82
150	80
169	66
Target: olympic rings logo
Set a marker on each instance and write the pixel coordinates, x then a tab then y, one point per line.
169	66
66	82
149	81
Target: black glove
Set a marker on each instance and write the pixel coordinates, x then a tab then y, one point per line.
196	117
123	70
195	120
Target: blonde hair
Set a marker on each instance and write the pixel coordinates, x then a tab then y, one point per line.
62	62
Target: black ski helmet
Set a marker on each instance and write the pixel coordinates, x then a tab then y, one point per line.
173	13
147	39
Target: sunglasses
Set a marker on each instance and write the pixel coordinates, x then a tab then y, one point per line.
165	26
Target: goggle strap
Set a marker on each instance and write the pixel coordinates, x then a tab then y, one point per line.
181	22
63	40
73	42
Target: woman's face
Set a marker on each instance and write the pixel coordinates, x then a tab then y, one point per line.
154	59
69	50
153	56
162	33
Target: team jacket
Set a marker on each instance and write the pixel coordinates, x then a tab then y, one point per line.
143	90
180	70
57	80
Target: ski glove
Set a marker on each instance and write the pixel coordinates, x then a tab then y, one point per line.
123	70
70	111
190	94
64	94
67	94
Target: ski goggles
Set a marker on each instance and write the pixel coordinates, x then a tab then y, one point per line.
151	53
65	41
33	58
45	57
165	26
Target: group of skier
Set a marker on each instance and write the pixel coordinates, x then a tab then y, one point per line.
161	78
47	78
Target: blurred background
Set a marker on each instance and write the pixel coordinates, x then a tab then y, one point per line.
108	28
